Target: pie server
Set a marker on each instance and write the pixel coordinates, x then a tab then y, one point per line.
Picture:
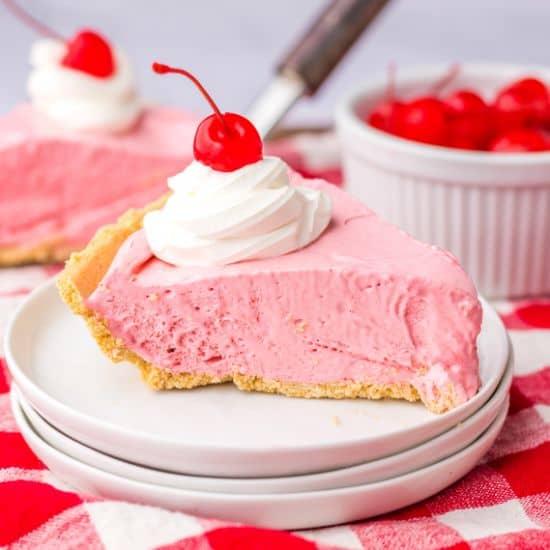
312	59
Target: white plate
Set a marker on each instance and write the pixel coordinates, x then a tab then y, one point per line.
435	449
218	430
279	511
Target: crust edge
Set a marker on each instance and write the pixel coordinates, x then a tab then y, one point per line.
82	274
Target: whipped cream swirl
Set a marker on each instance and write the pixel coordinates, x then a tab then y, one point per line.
218	218
79	101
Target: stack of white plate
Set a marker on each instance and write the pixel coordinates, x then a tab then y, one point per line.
252	458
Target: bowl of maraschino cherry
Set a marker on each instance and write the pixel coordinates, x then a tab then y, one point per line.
459	157
515	120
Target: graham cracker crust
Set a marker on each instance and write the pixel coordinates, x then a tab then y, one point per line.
85	269
339	390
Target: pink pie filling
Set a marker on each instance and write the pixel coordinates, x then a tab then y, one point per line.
57	184
365	302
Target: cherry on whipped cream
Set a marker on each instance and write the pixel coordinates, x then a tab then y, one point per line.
225	142
87	51
90	53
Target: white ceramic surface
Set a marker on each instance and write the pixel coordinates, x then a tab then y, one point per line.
448	443
278	511
218	430
491	210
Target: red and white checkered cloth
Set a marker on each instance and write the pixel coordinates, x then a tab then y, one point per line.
503	503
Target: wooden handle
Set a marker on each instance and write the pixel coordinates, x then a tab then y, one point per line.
328	39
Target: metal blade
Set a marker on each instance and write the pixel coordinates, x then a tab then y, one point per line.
274	102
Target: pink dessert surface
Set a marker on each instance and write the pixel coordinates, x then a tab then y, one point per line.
63	185
365	302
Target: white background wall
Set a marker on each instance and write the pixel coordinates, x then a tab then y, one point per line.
233	44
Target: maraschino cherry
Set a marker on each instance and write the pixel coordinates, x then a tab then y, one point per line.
422	119
87	51
225	142
520	140
470	125
525	103
518	120
384	115
90	53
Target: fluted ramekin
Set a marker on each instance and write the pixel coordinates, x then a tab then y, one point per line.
491	210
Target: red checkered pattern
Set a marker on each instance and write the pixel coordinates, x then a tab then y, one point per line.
503	503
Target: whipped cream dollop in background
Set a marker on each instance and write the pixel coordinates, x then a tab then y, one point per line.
218	218
79	101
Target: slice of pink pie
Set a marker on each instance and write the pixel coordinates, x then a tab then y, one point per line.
57	186
364	311
83	151
250	273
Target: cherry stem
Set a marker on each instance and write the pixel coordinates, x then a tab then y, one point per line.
446	79
390	90
30	21
160	68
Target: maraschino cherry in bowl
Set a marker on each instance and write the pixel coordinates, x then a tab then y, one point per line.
491	208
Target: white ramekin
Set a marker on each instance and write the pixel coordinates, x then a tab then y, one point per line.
491	210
